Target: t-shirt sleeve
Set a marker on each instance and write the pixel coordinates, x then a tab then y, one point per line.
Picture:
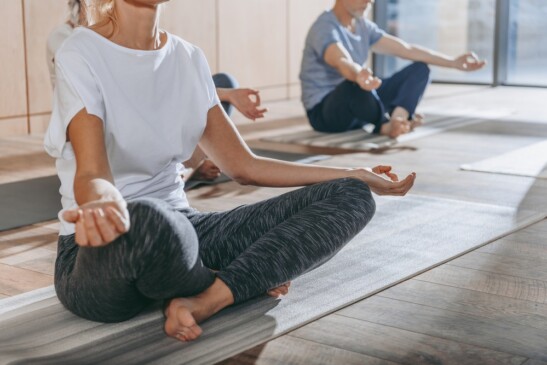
375	33
207	79
75	88
322	34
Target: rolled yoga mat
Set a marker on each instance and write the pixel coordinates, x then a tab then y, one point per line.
406	237
29	201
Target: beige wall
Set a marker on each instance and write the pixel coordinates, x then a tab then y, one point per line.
258	41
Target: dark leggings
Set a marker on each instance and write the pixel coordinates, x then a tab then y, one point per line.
169	253
349	107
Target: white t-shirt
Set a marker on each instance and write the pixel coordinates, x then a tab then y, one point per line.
153	105
54	42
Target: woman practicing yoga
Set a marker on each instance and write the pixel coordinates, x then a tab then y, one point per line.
132	101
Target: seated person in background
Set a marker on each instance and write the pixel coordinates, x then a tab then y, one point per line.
130	102
340	93
245	100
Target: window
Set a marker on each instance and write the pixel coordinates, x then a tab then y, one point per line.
527	43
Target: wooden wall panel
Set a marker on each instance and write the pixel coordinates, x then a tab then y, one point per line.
194	21
302	14
13	97
39	123
13	126
41	17
253	41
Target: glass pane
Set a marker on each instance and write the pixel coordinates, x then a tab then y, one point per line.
527	53
448	26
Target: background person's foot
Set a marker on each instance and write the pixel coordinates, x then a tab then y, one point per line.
395	127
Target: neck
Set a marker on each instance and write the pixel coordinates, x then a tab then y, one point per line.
344	17
137	25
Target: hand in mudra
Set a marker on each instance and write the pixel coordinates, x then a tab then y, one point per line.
469	62
383	181
367	81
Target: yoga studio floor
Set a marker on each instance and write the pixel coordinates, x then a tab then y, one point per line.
487	306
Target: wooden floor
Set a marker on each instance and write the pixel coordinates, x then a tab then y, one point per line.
486	307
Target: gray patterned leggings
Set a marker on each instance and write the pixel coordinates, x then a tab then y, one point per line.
169	253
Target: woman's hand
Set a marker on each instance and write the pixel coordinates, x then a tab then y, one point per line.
98	223
469	62
247	101
390	185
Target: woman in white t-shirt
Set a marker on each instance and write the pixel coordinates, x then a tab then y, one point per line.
130	102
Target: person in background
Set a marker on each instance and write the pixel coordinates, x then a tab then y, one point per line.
131	100
340	93
245	100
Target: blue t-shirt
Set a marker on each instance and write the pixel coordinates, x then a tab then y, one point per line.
317	77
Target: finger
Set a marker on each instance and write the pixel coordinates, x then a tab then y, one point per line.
392	176
80	235
257	96
105	227
91	229
71	216
121	224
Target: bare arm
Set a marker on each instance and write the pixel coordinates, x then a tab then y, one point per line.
102	215
247	101
224	145
394	46
338	57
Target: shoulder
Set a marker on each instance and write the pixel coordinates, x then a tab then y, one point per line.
326	20
186	49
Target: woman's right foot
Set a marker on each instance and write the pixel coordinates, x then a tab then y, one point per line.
183	314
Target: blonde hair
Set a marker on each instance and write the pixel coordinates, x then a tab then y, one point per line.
101	12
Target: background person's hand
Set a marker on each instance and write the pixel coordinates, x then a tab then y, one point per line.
247	101
367	81
469	62
390	185
98	223
207	170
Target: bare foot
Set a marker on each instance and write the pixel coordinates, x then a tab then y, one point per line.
282	289
417	121
395	127
184	314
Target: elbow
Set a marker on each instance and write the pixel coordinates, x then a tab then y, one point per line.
244	179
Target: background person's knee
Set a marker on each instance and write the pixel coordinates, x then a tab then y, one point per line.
225	81
422	69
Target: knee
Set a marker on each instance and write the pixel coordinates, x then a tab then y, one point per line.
359	198
224	80
422	69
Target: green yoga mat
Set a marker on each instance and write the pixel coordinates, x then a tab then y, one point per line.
29	201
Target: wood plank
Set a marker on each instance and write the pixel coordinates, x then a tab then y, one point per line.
528	243
492	307
24	239
292	350
397	345
470	329
504	285
36	259
16	281
531	268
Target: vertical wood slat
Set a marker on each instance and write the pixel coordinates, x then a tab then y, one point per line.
13	101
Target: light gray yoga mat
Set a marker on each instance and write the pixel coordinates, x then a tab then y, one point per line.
528	161
363	141
29	201
406	237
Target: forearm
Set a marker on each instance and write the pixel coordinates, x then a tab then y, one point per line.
348	69
224	94
421	54
94	188
261	171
